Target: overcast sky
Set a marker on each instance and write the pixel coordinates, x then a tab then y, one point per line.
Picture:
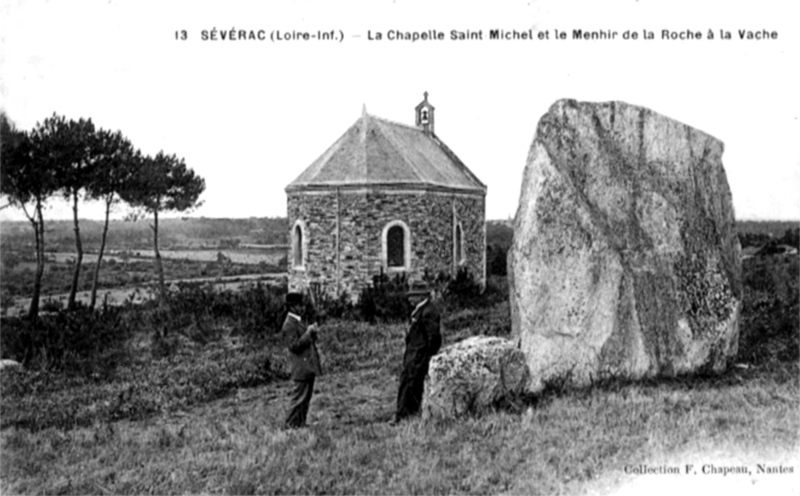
249	116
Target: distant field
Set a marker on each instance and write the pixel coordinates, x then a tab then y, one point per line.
124	271
238	256
244	257
128	261
173	233
142	293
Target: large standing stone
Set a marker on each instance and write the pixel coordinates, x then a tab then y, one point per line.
625	260
473	376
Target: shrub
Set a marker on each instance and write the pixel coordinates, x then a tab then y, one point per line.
321	306
76	342
770	311
464	288
465	292
6	299
386	299
496	260
747	239
791	237
259	310
196	309
50	305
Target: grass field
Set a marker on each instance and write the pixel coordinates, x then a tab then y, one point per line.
236	256
564	442
565	445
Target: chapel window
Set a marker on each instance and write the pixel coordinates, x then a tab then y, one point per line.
395	251
396	246
297	245
458	246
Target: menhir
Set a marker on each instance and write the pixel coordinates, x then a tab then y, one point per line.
625	259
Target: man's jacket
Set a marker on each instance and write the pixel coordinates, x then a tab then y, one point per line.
424	338
303	356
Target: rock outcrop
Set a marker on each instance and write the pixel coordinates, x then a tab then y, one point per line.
625	259
474	376
7	364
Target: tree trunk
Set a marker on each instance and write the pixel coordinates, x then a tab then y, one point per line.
100	255
76	275
162	287
38	228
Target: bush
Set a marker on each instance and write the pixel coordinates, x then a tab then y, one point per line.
791	237
770	311
463	288
496	260
259	310
50	305
747	239
195	309
385	300
465	292
76	342
6	299
321	306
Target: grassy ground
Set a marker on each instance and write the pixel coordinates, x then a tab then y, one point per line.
566	442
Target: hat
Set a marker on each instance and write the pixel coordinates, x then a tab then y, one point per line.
418	290
294	298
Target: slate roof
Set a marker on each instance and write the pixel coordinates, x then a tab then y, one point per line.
378	152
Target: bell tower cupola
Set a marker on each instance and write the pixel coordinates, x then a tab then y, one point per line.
424	117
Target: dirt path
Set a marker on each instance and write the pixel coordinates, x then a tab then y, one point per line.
340	400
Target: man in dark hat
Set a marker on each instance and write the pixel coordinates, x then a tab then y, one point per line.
423	340
303	359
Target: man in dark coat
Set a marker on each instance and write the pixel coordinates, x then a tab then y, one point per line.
423	340
303	360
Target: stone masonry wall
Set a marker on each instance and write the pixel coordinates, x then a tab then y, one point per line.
363	215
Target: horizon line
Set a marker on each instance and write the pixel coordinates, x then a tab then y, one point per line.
205	217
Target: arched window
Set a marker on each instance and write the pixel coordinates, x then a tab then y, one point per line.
458	245
396	242
395	247
299	245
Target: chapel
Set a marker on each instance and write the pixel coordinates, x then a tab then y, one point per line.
385	198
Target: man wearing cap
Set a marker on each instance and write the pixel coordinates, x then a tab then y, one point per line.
303	359
423	340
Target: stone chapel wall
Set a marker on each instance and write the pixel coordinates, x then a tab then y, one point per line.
363	214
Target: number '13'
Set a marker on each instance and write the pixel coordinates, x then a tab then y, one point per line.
180	35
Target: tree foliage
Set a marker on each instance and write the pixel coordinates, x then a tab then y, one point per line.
27	181
114	161
160	184
70	150
80	162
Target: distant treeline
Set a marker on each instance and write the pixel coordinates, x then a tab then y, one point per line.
759	232
773	228
173	233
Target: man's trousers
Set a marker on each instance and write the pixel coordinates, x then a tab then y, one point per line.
300	400
409	394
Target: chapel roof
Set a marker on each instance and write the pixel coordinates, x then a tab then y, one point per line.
379	152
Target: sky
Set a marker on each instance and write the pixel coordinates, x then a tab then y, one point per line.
250	115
